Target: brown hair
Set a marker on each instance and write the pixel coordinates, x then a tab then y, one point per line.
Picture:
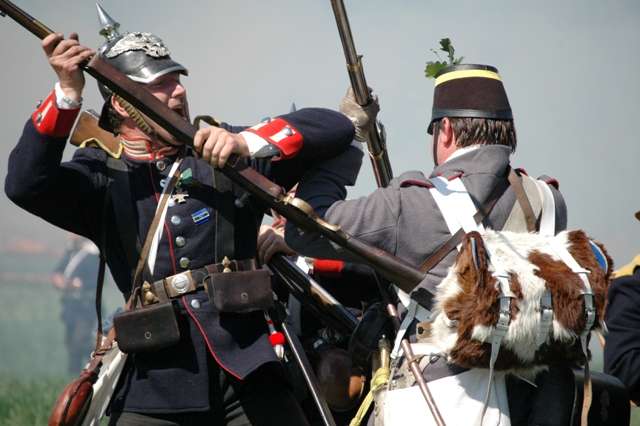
484	131
115	119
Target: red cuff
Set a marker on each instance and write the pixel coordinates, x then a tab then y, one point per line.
328	268
281	134
54	122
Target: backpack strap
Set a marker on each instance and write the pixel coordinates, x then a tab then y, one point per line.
455	239
523	200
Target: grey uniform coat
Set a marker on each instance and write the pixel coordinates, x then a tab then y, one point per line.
403	218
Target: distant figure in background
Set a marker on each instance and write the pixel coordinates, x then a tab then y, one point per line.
622	350
76	277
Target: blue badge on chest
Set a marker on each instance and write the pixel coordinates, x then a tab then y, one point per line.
201	216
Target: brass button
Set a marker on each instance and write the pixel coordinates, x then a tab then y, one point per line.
161	165
196	304
181	241
175	220
287	131
266	120
39	118
185	262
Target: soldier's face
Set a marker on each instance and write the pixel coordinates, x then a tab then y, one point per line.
168	89
171	92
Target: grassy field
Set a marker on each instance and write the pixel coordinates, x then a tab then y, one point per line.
32	353
33	367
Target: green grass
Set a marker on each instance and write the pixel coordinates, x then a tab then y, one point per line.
26	402
33	358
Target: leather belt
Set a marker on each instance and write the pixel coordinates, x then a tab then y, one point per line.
189	281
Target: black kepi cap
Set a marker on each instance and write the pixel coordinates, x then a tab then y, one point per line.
470	90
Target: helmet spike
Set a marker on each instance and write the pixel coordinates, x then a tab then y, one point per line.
109	26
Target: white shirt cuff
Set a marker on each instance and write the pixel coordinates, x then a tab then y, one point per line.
63	101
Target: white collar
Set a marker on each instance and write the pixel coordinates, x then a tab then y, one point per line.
460	151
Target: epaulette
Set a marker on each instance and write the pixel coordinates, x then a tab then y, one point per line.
630	268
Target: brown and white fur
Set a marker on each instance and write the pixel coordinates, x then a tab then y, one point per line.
469	294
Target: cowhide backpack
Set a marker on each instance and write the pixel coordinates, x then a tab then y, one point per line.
518	301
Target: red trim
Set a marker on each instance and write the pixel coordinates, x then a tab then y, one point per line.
553	182
522	171
54	122
456	176
416	182
273	133
186	305
328	268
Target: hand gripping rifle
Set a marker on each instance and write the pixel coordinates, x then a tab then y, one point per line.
376	142
296	211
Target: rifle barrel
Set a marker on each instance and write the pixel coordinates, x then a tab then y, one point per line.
24	19
284	266
375	139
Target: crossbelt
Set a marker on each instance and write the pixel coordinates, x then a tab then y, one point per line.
189	281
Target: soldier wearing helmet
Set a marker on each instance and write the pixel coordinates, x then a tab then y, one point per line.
223	367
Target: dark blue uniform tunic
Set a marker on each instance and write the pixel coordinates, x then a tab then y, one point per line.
71	195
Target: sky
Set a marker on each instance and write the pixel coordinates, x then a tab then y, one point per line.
569	68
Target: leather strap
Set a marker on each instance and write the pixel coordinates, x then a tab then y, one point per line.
142	262
452	242
523	200
99	285
225	212
190	281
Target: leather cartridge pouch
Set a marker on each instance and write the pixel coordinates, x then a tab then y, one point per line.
240	292
147	328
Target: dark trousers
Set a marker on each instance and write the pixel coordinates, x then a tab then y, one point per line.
262	399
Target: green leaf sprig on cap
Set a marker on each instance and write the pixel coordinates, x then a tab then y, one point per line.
433	67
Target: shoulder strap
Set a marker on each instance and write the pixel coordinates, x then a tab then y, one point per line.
452	242
224	216
523	200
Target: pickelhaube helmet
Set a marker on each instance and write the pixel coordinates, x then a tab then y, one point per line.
469	90
143	57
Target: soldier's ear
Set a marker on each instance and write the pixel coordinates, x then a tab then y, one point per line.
446	136
119	109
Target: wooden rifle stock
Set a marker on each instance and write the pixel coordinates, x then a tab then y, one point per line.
87	128
376	143
398	271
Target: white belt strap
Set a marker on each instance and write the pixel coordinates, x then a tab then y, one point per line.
414	310
590	311
454	202
153	251
411	313
548	215
565	256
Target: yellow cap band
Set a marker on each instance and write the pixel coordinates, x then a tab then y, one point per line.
466	74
